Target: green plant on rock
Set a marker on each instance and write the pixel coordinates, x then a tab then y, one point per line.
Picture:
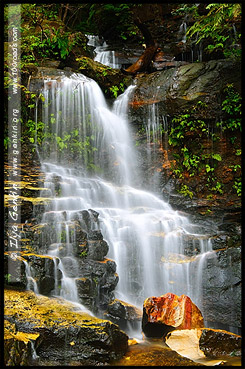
235	167
217	188
116	89
217	28
186	136
7	278
184	190
35	131
190	160
232	106
209	169
238	186
83	254
184	123
62	236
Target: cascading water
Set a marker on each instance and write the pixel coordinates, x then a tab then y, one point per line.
156	249
102	54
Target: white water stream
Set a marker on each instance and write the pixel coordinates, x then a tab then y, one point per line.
102	54
156	249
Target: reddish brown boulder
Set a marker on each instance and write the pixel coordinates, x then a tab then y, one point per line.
163	314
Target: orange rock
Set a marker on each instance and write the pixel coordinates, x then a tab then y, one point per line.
168	312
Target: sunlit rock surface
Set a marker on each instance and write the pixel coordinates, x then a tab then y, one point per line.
64	335
168	312
207	346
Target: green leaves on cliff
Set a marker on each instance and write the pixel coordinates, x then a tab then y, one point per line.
193	141
232	106
114	18
218	28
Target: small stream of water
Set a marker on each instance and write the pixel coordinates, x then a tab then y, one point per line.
102	53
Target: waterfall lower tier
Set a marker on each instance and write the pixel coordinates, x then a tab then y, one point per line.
156	249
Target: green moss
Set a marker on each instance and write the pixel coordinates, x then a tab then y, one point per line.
42	311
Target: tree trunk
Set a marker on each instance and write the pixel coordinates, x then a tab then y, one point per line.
144	60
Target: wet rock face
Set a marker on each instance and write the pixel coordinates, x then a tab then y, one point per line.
122	313
176	89
96	276
96	283
14	271
217	343
222	287
42	270
17	345
163	314
64	336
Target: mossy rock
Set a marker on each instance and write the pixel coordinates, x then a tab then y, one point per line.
106	77
17	345
65	334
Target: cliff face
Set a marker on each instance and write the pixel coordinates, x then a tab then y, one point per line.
196	164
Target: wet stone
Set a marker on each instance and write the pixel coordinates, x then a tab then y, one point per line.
97	250
122	313
95	235
218	342
168	312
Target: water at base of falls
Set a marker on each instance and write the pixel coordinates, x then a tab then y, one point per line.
156	249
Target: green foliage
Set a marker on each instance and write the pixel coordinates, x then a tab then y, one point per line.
6	143
56	44
186	135
35	131
209	168
217	188
7	278
62	236
185	123
184	190
232	106
236	167
216	27
116	89
117	17
84	254
238	186
216	157
44	35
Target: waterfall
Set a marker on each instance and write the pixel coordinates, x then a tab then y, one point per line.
102	54
31	282
182	31
156	249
